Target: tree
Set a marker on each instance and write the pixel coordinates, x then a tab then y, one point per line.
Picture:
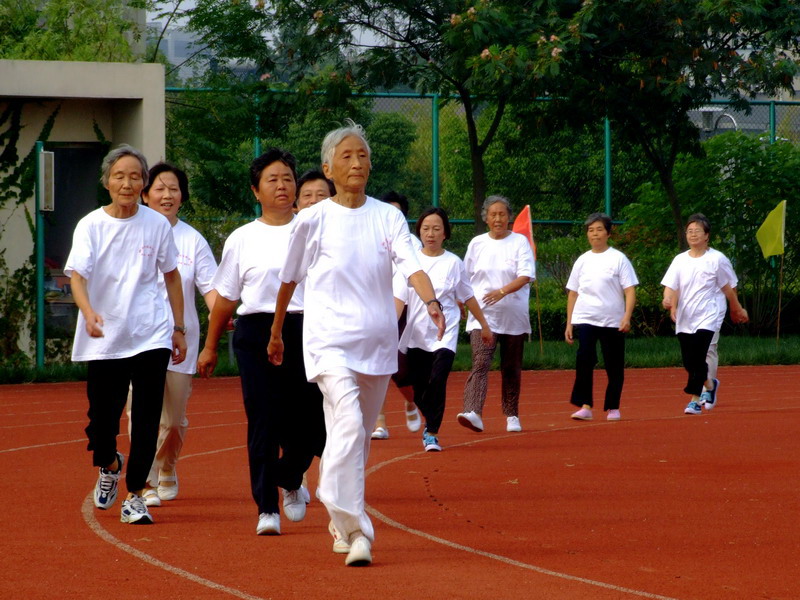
374	44
90	30
645	63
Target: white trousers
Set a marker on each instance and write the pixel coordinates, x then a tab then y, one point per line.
174	424
351	402
712	358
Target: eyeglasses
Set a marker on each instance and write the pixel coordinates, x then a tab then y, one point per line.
695	231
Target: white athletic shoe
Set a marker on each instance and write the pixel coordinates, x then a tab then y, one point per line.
268	524
107	486
513	424
360	554
294	504
134	511
340	545
471	420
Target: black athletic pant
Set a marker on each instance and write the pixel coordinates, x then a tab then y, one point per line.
612	344
429	372
694	348
107	388
284	410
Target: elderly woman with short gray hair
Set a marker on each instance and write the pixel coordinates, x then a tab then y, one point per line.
343	249
500	266
124	332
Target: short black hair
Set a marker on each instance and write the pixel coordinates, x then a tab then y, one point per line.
398	199
313	175
435	210
598	216
162	167
701	220
270	156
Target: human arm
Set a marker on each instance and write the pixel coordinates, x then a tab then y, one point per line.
210	298
670	301
275	346
172	280
494	296
94	322
399	305
630	302
486	334
424	288
221	313
738	312
572	298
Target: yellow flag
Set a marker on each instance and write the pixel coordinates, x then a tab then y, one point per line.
771	233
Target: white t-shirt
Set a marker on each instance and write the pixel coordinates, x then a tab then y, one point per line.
490	265
345	256
599	278
251	261
197	266
450	282
121	260
699	282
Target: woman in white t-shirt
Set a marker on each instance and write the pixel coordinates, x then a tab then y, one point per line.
693	285
124	329
165	192
600	300
430	359
500	267
343	249
285	425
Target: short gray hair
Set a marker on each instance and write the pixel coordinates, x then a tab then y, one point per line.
494	200
119	152
337	136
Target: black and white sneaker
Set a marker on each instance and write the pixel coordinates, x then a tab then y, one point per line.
134	511
105	490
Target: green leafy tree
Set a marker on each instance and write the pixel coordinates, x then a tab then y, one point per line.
645	63
90	30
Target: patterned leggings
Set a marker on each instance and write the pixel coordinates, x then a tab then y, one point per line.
510	368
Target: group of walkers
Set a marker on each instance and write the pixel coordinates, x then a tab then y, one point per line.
318	282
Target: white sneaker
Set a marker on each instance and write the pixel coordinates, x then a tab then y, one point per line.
294	504
513	424
304	493
168	492
107	486
613	415
471	420
340	545
360	554
380	433
134	511
151	497
413	420
268	524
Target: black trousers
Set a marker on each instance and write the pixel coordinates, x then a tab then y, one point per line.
285	422
612	344
107	389
694	348
429	372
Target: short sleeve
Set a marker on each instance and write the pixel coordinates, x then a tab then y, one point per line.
627	276
726	275
205	266
81	255
463	289
526	265
573	283
302	249
167	250
227	280
400	287
403	250
671	279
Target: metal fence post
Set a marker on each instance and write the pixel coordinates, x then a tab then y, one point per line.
772	125
435	149
607	136
39	263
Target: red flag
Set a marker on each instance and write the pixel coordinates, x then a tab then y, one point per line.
524	226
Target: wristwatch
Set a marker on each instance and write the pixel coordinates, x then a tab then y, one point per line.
179	329
436	300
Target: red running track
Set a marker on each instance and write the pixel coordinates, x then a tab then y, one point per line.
658	505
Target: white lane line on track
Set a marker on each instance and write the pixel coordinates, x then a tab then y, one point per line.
497	557
42	445
88	516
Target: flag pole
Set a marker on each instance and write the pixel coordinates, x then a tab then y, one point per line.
780	294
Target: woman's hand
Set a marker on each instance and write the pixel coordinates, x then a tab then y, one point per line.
625	325
487	337
568	334
178	347
739	315
275	350
494	296
206	362
437	316
94	324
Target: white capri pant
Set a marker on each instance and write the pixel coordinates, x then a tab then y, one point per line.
351	402
712	358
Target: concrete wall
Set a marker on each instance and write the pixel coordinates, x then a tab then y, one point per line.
125	101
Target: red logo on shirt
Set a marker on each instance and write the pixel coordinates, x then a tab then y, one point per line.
147	250
387	245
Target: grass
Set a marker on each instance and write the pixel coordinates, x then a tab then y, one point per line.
640	353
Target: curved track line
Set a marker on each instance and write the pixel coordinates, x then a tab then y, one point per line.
87	510
497	557
83	439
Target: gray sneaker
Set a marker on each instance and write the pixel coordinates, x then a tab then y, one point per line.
107	486
134	511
